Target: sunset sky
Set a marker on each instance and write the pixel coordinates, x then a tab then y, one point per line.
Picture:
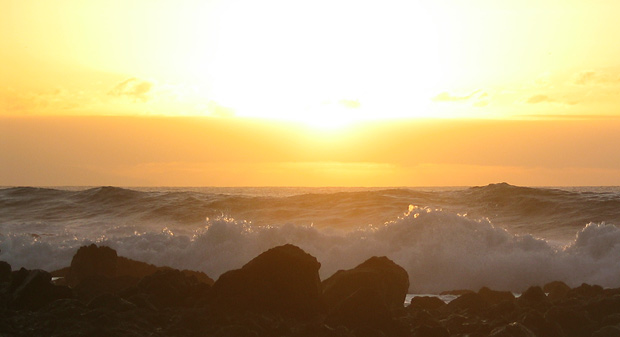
309	93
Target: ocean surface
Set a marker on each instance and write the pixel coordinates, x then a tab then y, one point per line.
501	236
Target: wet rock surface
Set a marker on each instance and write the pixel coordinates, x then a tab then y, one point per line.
279	293
389	280
283	280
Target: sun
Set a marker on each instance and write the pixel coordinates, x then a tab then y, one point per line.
326	65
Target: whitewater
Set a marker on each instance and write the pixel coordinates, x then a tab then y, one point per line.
501	236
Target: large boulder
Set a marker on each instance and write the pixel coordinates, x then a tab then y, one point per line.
5	279
92	261
32	289
5	272
572	321
469	302
557	290
367	296
387	279
283	280
173	288
426	303
495	297
96	270
365	308
533	296
586	291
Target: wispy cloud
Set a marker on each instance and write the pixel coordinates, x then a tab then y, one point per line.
133	88
590	77
448	97
481	103
478	98
350	103
57	100
536	99
565	100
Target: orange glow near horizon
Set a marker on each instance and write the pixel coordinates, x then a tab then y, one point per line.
309	93
185	151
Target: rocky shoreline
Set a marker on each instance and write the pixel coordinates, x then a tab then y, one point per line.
279	293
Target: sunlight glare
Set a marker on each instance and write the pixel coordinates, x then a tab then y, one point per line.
302	66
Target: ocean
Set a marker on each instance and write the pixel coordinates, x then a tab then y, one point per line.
501	236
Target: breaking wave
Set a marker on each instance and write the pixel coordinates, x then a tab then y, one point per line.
441	250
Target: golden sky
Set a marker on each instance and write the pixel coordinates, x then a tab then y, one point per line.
352	93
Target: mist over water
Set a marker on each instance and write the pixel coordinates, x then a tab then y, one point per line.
501	236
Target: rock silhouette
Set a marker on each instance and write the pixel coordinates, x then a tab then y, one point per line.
366	296
279	293
283	280
387	279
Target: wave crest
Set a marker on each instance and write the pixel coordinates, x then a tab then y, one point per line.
441	250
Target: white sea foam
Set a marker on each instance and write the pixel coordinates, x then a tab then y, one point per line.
439	249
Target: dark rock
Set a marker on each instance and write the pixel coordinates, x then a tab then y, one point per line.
467	302
602	307
388	279
111	302
423	317
283	280
458	324
97	270
431	331
5	272
536	322
32	289
533	296
173	288
69	308
364	308
494	297
92	261
138	269
607	331
502	310
573	323
514	329
133	268
199	276
613	319
586	290
96	261
93	286
367	332
235	331
165	288
557	290
17	278
142	301
426	303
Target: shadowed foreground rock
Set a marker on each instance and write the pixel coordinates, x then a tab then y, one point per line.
389	280
32	289
283	280
366	296
96	270
278	294
581	312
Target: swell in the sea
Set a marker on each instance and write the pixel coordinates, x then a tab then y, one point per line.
451	239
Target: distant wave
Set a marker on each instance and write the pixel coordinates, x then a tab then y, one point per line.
540	211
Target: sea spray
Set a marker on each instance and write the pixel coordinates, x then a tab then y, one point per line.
440	250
